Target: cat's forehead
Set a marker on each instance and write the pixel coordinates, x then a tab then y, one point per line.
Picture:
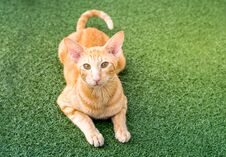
93	59
93	55
95	51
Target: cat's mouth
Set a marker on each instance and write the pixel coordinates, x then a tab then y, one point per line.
97	84
93	84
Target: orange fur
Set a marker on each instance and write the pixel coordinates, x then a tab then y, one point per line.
80	99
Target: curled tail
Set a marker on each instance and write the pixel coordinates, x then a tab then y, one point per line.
90	13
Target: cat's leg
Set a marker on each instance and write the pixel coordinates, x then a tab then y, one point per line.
81	120
86	125
120	128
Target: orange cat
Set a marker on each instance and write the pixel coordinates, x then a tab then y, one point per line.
93	90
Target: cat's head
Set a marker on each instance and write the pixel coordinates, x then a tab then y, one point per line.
97	64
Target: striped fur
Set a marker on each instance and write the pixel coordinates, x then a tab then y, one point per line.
81	100
85	16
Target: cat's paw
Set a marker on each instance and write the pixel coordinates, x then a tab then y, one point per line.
123	135
96	139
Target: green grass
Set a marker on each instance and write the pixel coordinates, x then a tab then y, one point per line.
175	78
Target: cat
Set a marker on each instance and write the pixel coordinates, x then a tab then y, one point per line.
93	90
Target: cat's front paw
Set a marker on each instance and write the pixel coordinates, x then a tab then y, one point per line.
96	139
123	135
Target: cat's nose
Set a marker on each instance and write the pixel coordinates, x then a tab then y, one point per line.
96	78
97	81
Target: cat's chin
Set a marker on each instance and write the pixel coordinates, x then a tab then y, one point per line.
96	86
99	85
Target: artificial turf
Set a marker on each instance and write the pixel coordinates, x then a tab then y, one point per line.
175	78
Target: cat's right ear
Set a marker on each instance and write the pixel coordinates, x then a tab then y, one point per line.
74	49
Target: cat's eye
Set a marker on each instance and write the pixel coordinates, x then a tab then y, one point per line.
104	64
86	66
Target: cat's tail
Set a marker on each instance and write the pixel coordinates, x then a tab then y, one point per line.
90	13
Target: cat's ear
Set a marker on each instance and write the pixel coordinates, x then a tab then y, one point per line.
114	45
74	49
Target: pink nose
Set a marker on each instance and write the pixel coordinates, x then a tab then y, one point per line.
96	78
97	81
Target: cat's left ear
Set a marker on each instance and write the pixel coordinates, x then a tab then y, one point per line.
114	45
